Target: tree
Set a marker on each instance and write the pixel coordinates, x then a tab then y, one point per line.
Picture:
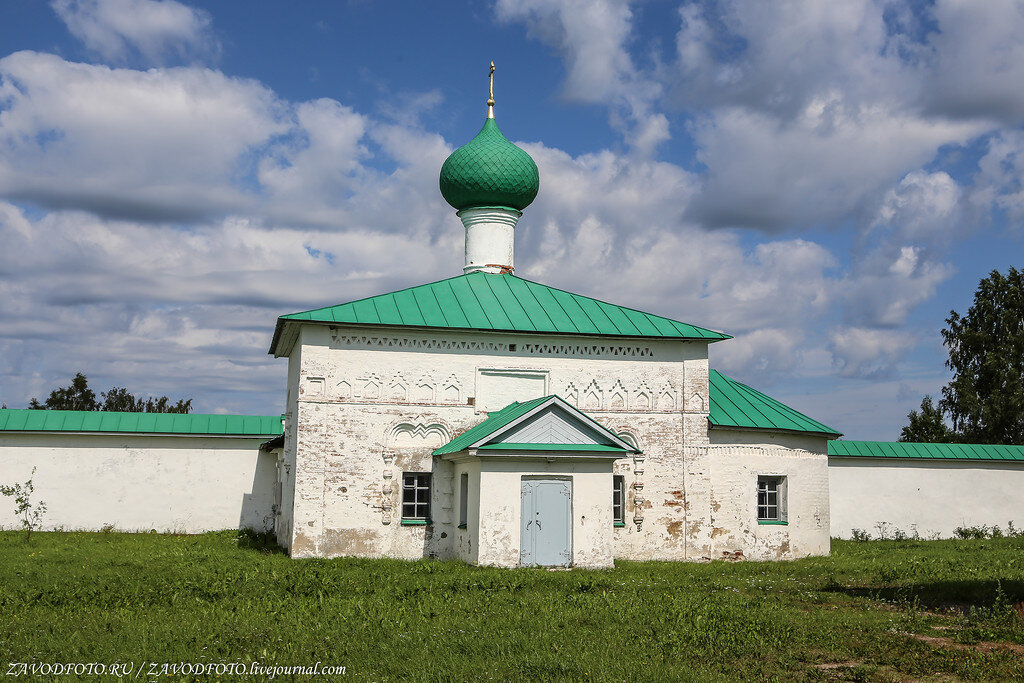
78	396
120	399
928	426
985	398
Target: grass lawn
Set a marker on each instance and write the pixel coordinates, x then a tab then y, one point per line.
880	610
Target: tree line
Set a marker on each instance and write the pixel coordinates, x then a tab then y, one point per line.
78	396
984	402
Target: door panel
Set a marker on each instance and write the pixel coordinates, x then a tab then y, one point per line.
546	523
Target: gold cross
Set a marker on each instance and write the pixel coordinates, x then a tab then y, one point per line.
490	98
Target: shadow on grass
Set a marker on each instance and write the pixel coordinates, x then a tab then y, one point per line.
260	541
959	596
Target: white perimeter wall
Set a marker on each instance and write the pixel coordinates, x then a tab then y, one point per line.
186	484
935	495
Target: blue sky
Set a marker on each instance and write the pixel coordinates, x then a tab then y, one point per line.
824	181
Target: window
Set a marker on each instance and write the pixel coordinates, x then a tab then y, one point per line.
415	498
771	500
463	500
618	500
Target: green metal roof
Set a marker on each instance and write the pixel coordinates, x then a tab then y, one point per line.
493	423
498	302
498	419
489	171
924	451
734	404
18	420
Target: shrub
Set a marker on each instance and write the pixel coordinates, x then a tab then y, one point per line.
31	513
860	535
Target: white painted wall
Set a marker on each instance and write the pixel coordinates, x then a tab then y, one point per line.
500	492
466	546
735	467
357	389
933	496
187	484
490	238
763	438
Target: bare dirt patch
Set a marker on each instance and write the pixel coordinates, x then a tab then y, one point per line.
829	666
983	646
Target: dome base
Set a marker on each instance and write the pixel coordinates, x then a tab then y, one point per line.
490	238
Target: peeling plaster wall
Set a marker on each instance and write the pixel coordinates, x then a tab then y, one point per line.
933	497
372	403
285	523
734	472
138	482
501	486
764	438
355	387
466	547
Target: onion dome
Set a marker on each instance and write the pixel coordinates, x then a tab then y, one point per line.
489	171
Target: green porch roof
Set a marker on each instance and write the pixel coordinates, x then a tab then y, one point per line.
500	303
924	451
19	420
493	423
513	411
734	404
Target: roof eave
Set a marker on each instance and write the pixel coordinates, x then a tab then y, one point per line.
275	341
96	432
827	435
281	321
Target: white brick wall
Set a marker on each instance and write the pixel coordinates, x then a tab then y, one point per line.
355	387
734	472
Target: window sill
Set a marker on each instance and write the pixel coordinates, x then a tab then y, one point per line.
619	525
416	522
462	526
775	522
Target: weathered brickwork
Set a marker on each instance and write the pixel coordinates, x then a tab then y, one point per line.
737	459
364	407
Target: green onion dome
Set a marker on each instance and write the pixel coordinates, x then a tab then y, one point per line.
489	171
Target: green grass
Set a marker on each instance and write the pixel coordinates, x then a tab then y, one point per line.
226	597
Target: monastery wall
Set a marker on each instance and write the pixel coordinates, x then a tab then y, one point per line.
369	404
138	482
930	497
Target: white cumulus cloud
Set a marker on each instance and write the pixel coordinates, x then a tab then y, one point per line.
155	30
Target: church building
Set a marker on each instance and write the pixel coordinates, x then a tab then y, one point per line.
499	421
489	418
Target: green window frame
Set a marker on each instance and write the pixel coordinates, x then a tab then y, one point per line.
415	498
618	500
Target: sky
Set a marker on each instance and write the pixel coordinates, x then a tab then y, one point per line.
825	181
